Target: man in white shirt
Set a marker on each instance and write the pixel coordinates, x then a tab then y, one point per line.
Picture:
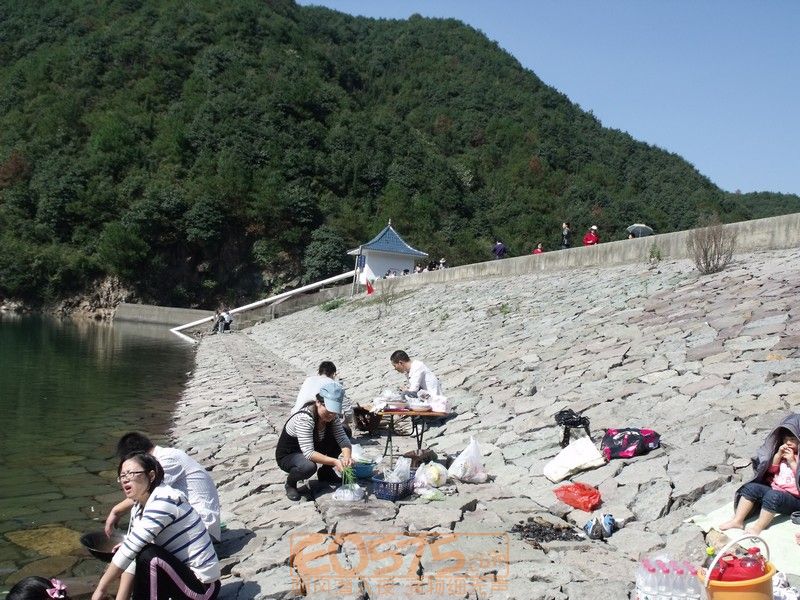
181	472
312	385
420	377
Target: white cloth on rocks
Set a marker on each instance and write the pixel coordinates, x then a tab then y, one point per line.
186	475
579	455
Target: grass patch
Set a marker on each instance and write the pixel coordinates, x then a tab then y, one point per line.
333	304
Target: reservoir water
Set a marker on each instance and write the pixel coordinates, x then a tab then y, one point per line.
68	391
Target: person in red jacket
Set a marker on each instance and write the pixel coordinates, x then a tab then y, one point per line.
539	249
591	238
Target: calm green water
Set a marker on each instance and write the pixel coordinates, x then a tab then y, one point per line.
68	390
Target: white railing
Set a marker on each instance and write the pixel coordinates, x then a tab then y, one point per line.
259	303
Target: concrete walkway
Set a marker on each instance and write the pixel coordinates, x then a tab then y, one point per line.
712	363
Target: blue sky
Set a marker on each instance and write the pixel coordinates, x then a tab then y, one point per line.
717	82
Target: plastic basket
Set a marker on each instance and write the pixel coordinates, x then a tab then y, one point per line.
750	589
388	490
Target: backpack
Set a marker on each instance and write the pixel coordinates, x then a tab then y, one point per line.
627	443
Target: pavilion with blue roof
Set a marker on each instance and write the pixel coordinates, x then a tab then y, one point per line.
386	252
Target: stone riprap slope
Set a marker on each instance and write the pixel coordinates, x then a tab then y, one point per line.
710	362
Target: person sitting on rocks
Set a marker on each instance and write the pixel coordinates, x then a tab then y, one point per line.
314	436
181	472
38	588
326	373
420	377
167	552
775	487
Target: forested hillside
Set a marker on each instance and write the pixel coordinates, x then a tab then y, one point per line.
217	149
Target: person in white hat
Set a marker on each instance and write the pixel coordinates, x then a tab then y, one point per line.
591	238
314	436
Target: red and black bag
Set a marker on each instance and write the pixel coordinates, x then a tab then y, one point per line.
627	443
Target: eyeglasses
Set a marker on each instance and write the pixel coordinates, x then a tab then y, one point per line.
128	475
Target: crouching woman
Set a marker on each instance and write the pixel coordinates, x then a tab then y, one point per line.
314	436
167	552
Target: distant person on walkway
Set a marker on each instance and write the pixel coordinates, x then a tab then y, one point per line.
420	377
216	321
499	250
776	486
418	269
167	552
442	263
539	249
38	588
326	373
591	238
314	436
226	320
181	472
566	235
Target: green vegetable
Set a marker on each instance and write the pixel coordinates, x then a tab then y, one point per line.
348	475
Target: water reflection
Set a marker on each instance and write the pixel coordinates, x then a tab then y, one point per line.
68	390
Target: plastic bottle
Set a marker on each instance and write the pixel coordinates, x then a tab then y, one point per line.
678	581
711	554
753	562
694	589
646	588
664	579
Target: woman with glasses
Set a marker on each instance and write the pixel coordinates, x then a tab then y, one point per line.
167	552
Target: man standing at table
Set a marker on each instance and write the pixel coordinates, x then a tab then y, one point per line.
420	377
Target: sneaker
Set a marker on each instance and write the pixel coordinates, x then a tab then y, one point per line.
292	493
609	525
594	529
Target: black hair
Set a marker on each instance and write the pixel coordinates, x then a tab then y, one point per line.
32	588
327	368
399	356
149	463
133	442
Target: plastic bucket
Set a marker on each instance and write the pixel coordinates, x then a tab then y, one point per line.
759	588
751	589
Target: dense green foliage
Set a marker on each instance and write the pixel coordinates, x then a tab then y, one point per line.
205	150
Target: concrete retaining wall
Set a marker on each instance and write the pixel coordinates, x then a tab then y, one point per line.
772	233
160	315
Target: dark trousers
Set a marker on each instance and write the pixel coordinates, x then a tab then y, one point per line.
300	468
772	500
159	575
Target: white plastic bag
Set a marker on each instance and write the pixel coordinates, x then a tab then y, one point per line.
439	403
349	492
579	455
401	472
468	466
430	475
358	454
431	494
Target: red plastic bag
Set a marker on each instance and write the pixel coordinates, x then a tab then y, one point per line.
579	495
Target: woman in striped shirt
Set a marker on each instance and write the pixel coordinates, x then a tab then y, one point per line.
314	436
167	552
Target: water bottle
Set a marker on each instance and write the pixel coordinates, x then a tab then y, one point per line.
711	554
754	563
694	589
646	587
664	579
678	581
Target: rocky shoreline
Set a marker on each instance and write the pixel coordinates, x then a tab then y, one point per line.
712	363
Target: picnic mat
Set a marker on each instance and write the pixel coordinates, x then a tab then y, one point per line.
784	552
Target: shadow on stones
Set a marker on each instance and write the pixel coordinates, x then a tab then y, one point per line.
233	540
